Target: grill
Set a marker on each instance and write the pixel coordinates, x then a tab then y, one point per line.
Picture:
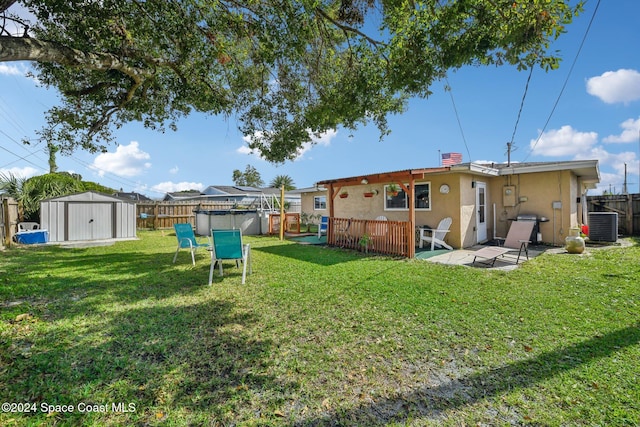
536	227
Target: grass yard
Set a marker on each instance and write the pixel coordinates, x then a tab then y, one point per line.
317	336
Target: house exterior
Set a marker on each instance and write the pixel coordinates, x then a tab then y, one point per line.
482	199
313	200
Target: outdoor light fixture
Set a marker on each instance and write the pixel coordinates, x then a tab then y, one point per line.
364	181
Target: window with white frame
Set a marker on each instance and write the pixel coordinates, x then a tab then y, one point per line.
400	201
423	196
395	201
319	203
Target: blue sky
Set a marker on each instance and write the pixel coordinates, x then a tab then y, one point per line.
595	116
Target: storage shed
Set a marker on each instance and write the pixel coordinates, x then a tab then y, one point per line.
88	216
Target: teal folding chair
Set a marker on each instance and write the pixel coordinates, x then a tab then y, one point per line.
187	240
227	245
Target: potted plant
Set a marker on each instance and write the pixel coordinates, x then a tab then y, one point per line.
393	190
370	193
364	242
344	194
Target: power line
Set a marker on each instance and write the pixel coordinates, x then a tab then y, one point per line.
524	95
575	59
455	110
19	157
90	167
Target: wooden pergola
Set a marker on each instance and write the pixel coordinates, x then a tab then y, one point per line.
405	179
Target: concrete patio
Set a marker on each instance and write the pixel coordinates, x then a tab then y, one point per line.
465	257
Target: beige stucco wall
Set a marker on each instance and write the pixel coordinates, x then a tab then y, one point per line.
307	204
535	194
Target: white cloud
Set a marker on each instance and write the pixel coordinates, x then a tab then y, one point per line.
630	132
616	86
169	187
612	166
25	172
324	139
128	160
10	70
246	150
563	142
174	170
614	160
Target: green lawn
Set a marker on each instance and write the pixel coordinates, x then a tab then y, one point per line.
317	336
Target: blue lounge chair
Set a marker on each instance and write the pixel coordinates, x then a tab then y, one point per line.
187	240
323	226
227	245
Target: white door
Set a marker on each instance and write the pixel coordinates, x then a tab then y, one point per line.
481	214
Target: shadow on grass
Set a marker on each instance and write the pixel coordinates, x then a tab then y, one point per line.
310	253
54	273
195	359
432	402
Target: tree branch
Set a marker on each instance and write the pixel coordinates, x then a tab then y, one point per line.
6	4
28	49
347	28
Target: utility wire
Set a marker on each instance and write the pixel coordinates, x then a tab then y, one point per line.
21	158
84	164
455	110
575	59
524	95
120	180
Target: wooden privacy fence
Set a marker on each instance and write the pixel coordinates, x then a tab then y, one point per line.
159	215
385	237
8	220
627	207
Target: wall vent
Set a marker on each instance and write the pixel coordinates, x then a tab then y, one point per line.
603	226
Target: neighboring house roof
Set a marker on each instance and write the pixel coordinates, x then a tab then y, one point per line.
308	190
133	196
228	191
181	195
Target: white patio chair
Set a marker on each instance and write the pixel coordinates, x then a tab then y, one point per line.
436	236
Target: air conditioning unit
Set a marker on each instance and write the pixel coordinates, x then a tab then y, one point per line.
603	226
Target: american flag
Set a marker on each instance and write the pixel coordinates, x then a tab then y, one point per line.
450	159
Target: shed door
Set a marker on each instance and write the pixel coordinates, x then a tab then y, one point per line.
90	221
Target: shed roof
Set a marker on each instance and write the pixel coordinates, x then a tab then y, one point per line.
89	196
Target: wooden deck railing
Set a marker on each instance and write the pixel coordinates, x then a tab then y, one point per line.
385	237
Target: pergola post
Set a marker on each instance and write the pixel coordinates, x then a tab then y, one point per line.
412	218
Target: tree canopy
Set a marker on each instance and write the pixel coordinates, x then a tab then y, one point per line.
250	177
279	180
287	70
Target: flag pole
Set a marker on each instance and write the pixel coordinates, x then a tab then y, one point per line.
439	159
